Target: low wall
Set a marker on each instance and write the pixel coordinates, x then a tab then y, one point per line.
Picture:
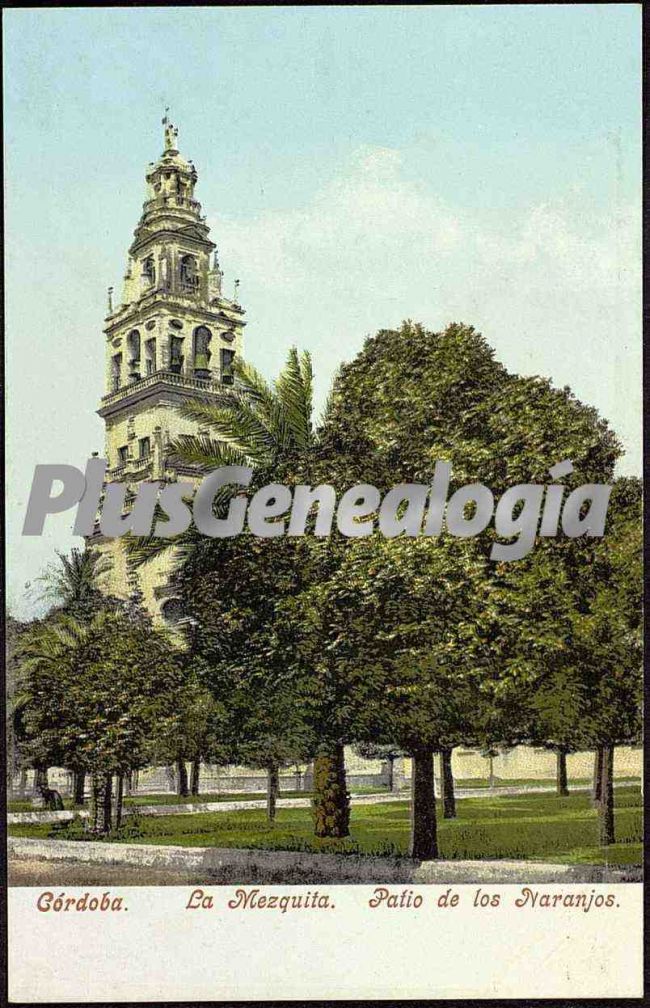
520	762
235	866
536	764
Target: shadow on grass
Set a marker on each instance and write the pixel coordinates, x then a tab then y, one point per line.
537	826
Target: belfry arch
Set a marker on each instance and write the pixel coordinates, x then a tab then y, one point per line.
202	337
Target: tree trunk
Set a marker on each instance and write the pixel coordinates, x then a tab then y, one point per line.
391	772
447	785
606	804
79	787
40	780
107	803
424	840
22	782
562	781
491	780
96	818
331	798
597	786
195	775
119	800
183	788
41	786
128	783
272	789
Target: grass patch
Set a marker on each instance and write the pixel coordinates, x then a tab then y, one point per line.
166	798
174	799
537	826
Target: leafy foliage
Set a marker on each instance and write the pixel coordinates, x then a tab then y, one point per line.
96	695
72	583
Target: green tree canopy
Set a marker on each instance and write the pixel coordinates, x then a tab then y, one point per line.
97	696
411	397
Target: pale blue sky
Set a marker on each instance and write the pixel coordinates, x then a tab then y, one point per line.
357	166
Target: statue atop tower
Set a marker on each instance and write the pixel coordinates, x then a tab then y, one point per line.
171	134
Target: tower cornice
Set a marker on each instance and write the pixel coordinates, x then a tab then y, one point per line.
183	233
146	307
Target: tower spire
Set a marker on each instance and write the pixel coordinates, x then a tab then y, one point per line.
171	132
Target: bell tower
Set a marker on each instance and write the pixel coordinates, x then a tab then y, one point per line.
173	337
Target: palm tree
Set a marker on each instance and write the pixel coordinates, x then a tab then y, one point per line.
253	423
45	663
72	584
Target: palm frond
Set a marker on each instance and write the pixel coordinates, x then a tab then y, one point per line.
307	372
203	451
252	381
75	576
237	425
141	550
293	386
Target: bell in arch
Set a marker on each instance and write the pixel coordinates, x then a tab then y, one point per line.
202	337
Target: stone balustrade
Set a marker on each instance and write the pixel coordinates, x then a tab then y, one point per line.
164	377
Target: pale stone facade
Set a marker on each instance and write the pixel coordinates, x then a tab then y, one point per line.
172	338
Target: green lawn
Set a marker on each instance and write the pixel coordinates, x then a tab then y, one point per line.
174	799
25	804
536	826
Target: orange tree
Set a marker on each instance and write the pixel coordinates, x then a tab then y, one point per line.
103	693
385	644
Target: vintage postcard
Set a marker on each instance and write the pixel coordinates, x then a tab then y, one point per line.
324	581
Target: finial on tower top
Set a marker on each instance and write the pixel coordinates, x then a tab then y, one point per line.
171	132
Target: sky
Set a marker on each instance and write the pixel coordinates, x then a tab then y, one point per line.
357	166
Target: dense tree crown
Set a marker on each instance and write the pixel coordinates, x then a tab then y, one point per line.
98	696
411	397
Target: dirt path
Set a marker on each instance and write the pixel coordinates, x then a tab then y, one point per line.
61	873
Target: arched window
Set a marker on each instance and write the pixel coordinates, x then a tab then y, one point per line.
149	270
202	338
116	369
227	374
188	274
176	354
133	351
150	356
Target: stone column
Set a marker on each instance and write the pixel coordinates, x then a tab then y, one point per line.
158	468
399	777
173	263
